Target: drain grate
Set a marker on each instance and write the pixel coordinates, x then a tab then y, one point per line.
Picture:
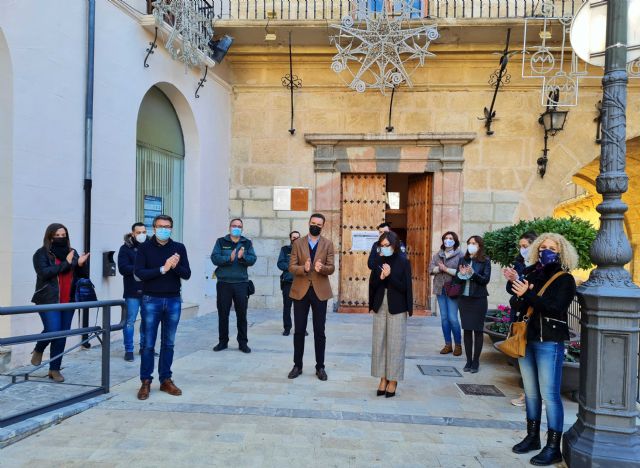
439	371
480	390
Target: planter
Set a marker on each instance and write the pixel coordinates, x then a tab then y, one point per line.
491	315
494	336
570	379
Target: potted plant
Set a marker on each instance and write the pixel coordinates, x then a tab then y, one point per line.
497	314
501	244
498	328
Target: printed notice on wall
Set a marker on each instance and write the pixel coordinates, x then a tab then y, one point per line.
152	208
282	198
290	198
363	240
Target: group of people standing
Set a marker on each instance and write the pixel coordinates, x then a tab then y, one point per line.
153	268
541	290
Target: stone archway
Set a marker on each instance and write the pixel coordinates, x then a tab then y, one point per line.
584	206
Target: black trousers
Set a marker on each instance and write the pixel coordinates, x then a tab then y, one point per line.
238	294
300	317
286	306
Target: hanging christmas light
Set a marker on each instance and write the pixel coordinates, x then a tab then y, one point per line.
384	53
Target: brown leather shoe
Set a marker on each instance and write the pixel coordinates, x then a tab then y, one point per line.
36	358
447	349
145	389
169	387
56	376
457	350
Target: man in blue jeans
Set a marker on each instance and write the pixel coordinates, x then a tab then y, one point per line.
132	293
161	264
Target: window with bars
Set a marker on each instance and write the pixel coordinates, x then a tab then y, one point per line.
159	162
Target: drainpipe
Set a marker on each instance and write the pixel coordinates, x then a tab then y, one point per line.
88	143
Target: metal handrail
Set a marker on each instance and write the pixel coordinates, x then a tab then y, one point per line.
105	330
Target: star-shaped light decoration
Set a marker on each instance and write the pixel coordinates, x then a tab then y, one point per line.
383	54
189	22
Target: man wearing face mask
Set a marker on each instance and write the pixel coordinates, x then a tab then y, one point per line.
286	279
233	254
311	263
132	293
161	264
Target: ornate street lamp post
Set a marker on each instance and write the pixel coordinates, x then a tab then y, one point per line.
606	433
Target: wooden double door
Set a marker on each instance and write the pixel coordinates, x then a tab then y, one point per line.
364	201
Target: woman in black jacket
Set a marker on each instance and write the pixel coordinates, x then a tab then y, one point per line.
552	257
474	271
57	268
391	301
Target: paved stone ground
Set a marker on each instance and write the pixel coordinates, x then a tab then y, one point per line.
241	410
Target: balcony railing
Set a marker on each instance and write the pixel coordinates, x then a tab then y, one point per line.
336	9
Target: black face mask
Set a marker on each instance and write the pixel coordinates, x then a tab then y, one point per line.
59	247
314	230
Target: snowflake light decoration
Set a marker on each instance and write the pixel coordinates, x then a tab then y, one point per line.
384	53
189	23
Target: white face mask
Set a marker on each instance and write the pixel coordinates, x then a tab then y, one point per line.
472	249
141	238
524	251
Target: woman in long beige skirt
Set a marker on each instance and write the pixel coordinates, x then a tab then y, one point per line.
391	301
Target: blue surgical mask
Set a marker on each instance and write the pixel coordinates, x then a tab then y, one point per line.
236	231
163	234
448	243
524	251
386	251
548	256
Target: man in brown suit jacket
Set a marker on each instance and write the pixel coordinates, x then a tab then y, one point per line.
311	263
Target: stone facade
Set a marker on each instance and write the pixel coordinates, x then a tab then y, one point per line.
499	177
269	230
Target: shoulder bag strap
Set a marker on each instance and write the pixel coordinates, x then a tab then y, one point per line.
543	289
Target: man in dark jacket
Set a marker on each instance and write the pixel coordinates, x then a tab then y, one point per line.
132	293
286	279
375	253
233	254
161	264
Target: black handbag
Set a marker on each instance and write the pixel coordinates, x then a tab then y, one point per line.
251	289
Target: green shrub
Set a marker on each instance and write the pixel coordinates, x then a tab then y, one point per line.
502	244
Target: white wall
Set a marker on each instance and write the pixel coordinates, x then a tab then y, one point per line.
6	199
49	76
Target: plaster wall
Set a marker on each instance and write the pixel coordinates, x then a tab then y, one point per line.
49	76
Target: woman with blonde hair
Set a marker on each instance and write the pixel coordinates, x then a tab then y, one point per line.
552	257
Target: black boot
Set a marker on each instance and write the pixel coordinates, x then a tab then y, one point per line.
550	454
532	441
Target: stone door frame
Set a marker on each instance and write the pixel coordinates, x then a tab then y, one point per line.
439	153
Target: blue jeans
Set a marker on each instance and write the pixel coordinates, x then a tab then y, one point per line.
156	311
133	306
55	321
541	370
449	318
